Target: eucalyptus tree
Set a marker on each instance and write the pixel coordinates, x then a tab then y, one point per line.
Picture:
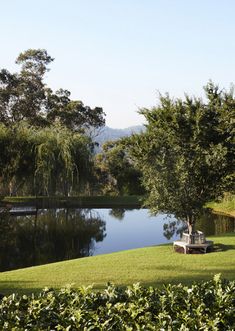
187	153
25	96
74	114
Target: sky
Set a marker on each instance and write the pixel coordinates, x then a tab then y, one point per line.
118	54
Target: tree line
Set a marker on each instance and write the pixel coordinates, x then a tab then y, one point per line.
47	139
183	159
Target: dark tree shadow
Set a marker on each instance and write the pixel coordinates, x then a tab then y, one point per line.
222	248
217	247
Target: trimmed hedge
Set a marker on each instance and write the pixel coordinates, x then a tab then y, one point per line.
203	306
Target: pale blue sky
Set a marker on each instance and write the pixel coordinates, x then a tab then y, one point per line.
117	53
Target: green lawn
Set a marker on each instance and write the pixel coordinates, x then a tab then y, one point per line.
150	266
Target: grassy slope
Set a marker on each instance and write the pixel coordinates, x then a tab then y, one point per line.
150	266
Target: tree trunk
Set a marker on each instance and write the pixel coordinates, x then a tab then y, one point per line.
191	228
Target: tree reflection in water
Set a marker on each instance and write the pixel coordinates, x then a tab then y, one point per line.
117	213
48	236
211	224
173	228
61	234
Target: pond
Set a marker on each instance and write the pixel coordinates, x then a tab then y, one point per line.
29	237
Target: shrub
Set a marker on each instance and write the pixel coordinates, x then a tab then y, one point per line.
203	306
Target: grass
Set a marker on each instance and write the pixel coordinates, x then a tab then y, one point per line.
149	266
225	206
75	202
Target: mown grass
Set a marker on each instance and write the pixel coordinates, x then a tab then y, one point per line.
149	266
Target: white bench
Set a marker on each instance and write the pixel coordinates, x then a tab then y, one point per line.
187	247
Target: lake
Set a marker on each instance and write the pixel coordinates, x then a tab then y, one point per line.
29	237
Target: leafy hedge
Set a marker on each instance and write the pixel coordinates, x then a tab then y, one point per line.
204	306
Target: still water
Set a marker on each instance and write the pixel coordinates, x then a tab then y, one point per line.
53	235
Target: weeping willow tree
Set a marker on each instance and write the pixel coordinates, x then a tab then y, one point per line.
4	139
16	158
51	160
62	160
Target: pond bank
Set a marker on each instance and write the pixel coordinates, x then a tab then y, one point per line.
74	202
225	207
155	265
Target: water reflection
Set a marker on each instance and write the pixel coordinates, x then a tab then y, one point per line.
118	213
48	236
211	224
215	224
173	228
53	235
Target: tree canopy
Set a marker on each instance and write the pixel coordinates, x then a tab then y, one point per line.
187	152
115	170
25	96
44	161
44	135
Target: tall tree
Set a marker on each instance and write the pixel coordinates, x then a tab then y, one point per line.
73	114
187	153
25	96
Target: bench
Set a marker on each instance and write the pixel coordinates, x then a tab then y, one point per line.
187	246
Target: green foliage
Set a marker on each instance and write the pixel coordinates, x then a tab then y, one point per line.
43	134
25	96
203	306
44	160
116	171
74	114
59	158
34	61
187	152
17	162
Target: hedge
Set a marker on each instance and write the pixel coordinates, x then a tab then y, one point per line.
202	306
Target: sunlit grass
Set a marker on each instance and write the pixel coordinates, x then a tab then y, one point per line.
149	266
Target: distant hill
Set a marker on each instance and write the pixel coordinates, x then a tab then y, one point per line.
108	133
